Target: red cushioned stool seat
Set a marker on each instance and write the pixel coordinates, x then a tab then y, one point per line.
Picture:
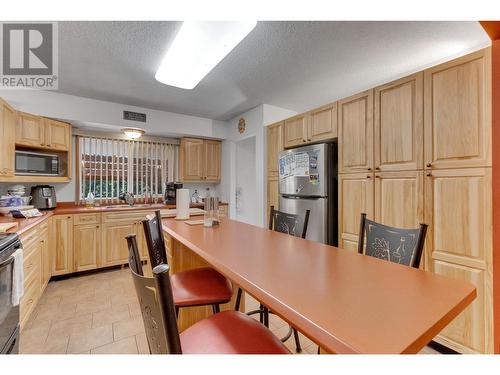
200	286
230	332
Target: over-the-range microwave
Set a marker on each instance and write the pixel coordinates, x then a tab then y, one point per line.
37	163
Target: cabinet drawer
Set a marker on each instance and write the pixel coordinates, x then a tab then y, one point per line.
125	216
31	264
29	299
87	219
29	241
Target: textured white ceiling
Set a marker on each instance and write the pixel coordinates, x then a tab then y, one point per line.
293	65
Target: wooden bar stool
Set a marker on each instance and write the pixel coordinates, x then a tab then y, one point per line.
228	332
196	287
295	225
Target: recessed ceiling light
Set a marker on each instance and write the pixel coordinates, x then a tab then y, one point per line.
197	48
133	133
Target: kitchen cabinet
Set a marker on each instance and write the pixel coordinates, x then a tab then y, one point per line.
295	130
274	147
30	130
322	123
87	247
356	192
457	116
199	160
355	130
46	255
399	128
399	198
459	245
212	160
7	139
272	196
62	244
57	135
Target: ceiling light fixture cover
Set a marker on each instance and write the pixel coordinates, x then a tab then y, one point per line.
133	133
197	48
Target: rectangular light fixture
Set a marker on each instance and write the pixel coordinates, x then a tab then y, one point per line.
197	48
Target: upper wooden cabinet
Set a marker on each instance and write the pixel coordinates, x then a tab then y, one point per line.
314	126
355	128
57	135
457	116
199	160
39	132
7	139
399	127
274	146
212	159
295	130
322	123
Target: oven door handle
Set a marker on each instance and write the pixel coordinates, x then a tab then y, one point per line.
5	263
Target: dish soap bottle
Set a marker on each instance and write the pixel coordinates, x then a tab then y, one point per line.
90	200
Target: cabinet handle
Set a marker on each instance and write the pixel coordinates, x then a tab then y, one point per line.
377	176
429	165
369	169
377	168
429	175
368	176
68	217
97	226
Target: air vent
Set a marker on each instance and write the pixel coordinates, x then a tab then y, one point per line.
134	116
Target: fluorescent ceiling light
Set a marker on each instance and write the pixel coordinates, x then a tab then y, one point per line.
133	133
197	48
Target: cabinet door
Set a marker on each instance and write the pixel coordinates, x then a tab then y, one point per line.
46	258
355	128
62	244
399	127
355	197
7	139
272	195
114	244
57	135
459	245
212	161
274	146
295	130
87	247
457	107
399	198
30	131
322	123
191	161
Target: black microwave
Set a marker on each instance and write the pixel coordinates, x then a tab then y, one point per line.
37	163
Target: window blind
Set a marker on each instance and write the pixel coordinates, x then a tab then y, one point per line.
108	167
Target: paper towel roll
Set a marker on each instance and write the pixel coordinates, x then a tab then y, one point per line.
182	204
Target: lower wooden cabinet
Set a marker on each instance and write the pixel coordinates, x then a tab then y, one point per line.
87	247
62	244
355	197
272	195
46	255
459	245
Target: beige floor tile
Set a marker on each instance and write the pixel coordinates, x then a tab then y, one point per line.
55	313
72	325
124	346
134	309
93	305
109	316
90	338
142	343
129	327
53	345
128	297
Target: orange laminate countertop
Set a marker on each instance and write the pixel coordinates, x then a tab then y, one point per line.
344	301
24	225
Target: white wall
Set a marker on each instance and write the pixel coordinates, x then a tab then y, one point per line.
246	184
256	119
108	116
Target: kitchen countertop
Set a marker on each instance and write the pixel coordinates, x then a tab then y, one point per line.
68	208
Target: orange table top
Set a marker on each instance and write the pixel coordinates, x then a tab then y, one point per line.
344	301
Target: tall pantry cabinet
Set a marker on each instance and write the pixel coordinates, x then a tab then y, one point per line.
418	150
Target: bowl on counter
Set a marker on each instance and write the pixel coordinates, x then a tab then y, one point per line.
11	201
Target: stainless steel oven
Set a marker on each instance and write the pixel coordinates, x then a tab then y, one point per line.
37	163
9	314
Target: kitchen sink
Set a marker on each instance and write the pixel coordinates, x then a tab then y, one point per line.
152	205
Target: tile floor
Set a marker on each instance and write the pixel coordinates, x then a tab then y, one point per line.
99	314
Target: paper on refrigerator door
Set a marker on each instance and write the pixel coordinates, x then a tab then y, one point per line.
286	165
301	164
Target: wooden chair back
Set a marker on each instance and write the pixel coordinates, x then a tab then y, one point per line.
134	259
293	224
397	245
154	239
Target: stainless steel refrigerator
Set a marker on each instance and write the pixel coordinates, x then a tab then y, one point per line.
308	181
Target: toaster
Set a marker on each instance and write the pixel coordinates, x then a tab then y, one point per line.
43	197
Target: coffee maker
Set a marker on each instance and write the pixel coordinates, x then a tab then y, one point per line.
171	192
